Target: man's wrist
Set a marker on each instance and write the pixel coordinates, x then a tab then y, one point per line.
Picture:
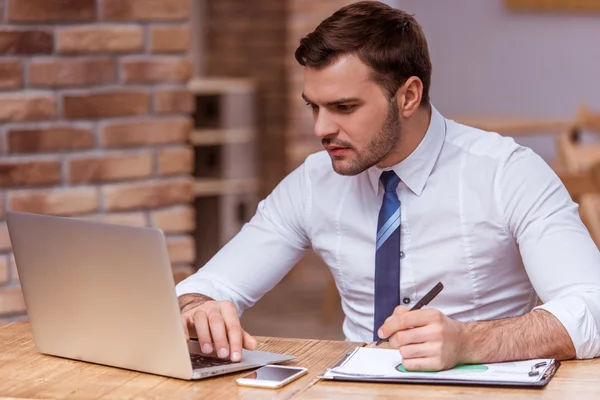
190	300
466	338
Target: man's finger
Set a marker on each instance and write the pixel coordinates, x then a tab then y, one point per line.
219	333
422	364
399	310
420	350
249	342
203	331
409	336
234	330
412	319
420	318
399	322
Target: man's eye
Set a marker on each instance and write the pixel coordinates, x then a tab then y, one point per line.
313	106
344	107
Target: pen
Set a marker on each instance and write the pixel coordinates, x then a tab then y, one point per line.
423	302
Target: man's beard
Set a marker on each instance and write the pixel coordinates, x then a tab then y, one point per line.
384	143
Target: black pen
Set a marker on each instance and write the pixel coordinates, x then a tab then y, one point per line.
423	302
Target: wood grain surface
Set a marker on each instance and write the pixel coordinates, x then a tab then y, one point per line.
25	373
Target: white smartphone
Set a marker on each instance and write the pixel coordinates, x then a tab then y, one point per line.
272	376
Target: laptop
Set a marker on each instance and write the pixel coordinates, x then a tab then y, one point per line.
105	294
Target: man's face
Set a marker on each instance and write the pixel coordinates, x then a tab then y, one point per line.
356	123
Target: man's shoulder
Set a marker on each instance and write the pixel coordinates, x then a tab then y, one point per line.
480	143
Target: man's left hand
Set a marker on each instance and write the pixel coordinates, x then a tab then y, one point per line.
427	339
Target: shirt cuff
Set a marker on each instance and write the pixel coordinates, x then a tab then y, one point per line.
574	314
189	286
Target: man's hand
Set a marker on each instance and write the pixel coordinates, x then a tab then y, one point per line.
427	339
215	321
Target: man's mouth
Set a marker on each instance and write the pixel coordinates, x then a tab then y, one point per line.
337	150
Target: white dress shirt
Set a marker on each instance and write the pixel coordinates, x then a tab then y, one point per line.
483	215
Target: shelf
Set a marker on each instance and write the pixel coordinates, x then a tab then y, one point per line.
211	137
515	126
204	187
209	85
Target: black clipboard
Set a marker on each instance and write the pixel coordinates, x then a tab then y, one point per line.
548	374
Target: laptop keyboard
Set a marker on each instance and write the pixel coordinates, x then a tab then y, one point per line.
200	361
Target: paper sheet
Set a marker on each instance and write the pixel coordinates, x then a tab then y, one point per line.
386	363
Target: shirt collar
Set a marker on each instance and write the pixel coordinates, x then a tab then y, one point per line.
416	168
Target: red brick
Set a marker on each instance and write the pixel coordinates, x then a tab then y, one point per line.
136	133
176	161
11	300
180	272
100	39
24	106
106	104
64	72
110	167
178	219
146	10
4	269
173	101
21	173
156	69
49	138
181	249
11	74
70	201
50	10
2	198
25	41
5	244
148	194
131	219
170	39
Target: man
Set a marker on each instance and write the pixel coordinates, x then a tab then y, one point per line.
401	199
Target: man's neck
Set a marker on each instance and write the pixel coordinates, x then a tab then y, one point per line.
413	132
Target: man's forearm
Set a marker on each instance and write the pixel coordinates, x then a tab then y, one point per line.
189	300
537	334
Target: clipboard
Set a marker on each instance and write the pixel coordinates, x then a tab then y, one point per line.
548	373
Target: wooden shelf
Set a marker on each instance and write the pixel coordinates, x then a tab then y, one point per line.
210	137
220	85
515	126
204	187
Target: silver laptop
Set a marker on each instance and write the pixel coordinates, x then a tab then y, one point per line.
105	294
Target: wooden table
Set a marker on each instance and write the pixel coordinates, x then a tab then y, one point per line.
25	373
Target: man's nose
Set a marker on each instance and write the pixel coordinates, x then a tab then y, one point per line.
324	125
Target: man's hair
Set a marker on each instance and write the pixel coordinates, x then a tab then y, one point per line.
390	41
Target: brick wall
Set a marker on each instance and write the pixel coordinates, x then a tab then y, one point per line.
94	119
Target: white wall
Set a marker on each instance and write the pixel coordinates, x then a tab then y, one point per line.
487	60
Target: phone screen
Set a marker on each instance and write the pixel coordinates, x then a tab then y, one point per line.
268	373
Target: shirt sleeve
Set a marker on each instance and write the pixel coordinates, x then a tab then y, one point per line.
263	252
560	258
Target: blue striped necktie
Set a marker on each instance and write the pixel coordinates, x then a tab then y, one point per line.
387	255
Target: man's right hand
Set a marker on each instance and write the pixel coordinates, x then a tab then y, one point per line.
215	322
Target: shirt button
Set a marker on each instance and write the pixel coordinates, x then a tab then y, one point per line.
401	254
406	300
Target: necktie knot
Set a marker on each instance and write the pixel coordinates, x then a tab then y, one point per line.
390	181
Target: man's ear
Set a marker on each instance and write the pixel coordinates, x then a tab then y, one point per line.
409	96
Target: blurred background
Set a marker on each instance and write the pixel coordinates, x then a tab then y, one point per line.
183	114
